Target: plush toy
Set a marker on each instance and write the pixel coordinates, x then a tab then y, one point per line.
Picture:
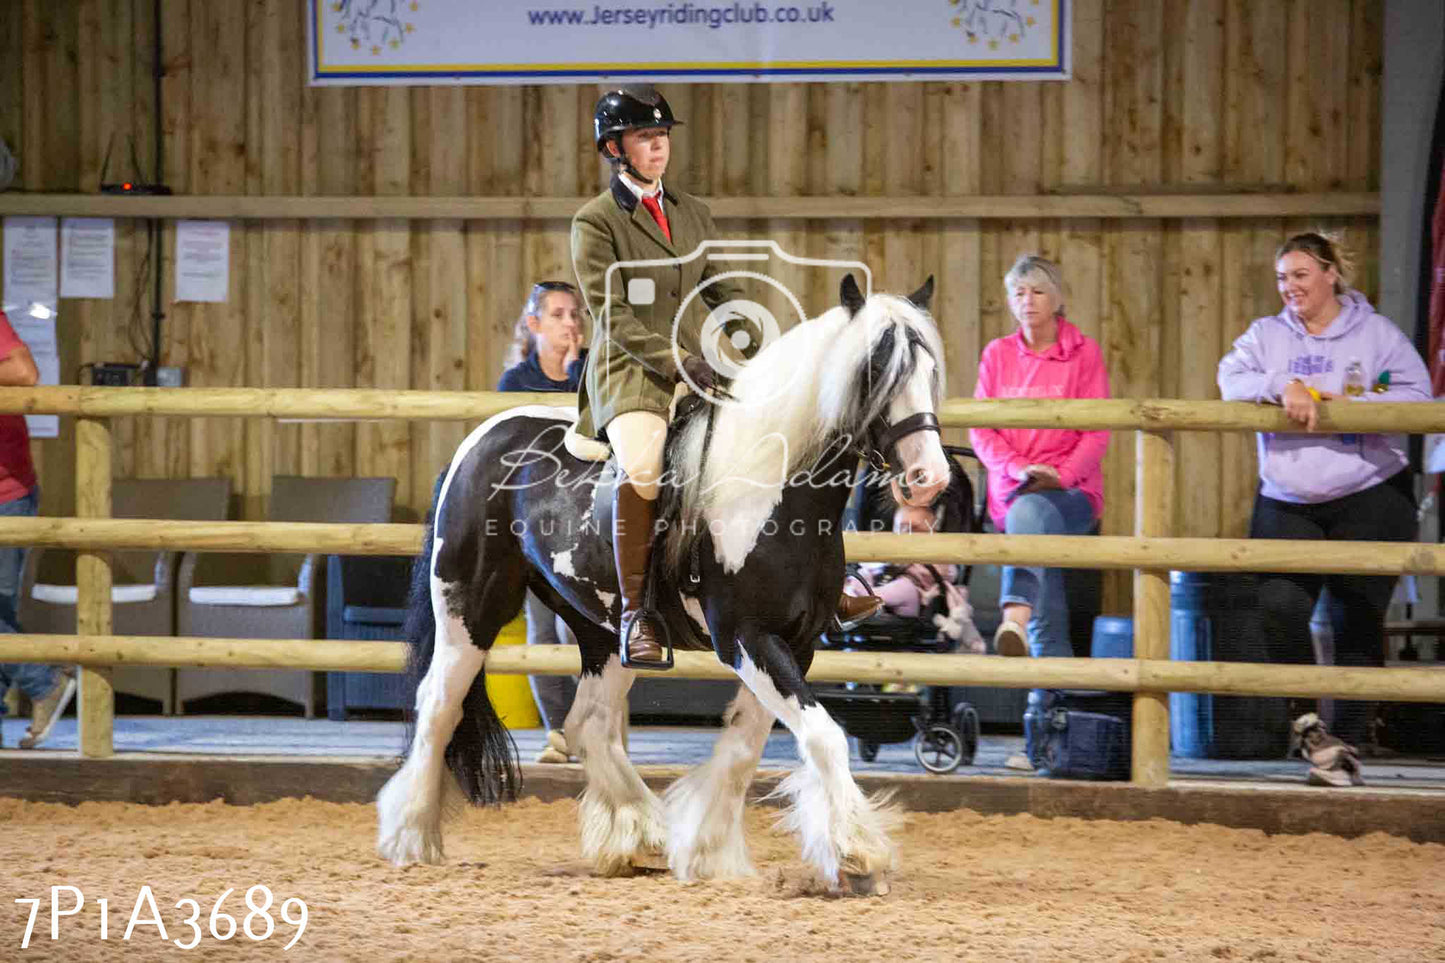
1333	762
957	626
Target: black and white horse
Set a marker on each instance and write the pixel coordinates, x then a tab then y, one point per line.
750	565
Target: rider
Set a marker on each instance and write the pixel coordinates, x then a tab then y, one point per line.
632	368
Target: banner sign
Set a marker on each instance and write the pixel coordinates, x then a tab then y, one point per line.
397	42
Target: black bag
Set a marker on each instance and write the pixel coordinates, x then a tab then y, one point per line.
1081	735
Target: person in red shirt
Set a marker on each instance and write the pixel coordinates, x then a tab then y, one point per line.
49	688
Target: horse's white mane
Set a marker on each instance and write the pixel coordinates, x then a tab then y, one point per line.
817	381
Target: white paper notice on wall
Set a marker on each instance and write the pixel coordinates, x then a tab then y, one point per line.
87	257
203	260
36	327
31	275
45	426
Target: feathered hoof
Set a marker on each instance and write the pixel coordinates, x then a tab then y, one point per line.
617	839
613	866
875	884
730	862
408	829
409	846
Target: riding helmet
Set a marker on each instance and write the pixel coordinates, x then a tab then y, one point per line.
630	108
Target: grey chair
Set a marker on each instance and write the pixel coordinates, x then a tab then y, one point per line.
270	596
143	589
366	601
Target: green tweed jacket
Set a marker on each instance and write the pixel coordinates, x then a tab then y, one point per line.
631	365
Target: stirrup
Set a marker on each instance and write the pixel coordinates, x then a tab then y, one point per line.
848	626
647	665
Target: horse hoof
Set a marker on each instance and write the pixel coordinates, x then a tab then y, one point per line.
856	885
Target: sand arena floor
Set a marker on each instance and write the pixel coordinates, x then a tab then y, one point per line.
970	888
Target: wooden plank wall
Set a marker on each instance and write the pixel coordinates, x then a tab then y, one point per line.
1206	95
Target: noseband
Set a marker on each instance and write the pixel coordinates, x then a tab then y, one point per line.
881	449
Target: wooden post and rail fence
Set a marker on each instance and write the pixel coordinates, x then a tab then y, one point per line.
1152	552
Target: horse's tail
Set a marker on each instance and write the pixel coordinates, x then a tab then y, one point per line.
482	754
420	628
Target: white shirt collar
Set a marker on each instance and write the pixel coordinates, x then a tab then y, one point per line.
637	190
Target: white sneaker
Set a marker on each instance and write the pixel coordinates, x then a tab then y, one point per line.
1018	761
47	710
556	749
1010	639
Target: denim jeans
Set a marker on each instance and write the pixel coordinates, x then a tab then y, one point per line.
553	693
34	680
1049	512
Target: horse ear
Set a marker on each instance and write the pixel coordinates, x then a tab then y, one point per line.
851	297
923	295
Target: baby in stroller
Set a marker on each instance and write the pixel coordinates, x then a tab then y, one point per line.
935	594
926	609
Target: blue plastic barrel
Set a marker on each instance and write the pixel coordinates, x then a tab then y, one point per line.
1113	638
1215	617
1191	639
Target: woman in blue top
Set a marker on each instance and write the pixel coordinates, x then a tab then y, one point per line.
547	355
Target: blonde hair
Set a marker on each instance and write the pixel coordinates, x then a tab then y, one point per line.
524	341
1328	250
1034	269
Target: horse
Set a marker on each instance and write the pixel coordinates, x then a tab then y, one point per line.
750	565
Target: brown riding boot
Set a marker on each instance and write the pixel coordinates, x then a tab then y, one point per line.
642	636
853	609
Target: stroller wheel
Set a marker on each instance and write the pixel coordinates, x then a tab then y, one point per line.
965	719
867	750
938	748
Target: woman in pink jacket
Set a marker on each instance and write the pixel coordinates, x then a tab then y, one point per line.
1044	481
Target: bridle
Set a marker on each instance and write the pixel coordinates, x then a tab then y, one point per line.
880	447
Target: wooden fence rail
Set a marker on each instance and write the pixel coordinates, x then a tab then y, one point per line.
1424	684
1122	552
367	404
912	207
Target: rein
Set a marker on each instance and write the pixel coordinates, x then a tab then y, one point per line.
694	574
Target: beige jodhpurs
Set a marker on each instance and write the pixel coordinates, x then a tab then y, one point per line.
638	439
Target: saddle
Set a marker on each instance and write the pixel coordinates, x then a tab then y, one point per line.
666	590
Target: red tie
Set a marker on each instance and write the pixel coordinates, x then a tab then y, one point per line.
655	209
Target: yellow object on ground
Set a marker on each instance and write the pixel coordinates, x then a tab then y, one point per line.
511	695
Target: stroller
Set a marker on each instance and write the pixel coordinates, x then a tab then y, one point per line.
944	731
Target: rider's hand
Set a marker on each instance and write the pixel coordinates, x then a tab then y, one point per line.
1301	405
700	373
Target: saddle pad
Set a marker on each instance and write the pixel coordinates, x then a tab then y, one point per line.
583	448
591	449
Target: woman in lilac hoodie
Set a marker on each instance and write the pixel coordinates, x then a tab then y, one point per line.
1040	481
1313	486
